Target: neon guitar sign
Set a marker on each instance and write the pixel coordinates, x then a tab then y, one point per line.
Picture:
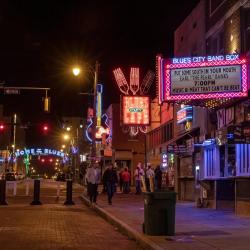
102	128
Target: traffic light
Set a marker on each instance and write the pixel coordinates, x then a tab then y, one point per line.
47	104
2	127
45	129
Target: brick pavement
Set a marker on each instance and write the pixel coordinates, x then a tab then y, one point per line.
195	228
55	226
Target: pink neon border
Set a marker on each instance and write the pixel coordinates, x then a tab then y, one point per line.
159	72
244	92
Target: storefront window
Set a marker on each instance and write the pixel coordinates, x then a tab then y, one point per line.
231	161
243	159
222	160
209	162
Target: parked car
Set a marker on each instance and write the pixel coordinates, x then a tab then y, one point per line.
10	176
60	177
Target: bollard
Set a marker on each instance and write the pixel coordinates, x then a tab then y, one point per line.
14	188
36	200
3	192
58	190
27	188
69	194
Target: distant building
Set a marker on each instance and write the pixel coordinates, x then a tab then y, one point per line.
123	149
7	140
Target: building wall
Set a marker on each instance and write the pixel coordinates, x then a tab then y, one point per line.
189	37
124	146
189	40
216	10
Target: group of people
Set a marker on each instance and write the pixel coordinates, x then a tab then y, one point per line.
147	174
111	179
93	179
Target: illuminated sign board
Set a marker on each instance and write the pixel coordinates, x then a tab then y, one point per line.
135	110
164	162
202	77
39	151
185	114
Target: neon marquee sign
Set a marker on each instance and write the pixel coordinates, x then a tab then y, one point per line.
202	77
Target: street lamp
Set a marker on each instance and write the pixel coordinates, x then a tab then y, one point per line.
66	137
76	71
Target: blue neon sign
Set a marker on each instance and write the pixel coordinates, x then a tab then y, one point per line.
185	114
39	151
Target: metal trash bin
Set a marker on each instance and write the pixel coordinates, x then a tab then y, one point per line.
159	213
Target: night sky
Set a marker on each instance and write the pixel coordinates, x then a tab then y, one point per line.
41	40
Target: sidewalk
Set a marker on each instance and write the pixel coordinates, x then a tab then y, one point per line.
195	228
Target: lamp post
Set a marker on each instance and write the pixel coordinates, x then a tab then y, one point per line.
93	153
76	71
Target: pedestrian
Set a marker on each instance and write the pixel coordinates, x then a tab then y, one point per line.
139	173
104	190
93	176
126	181
110	179
121	180
149	174
158	178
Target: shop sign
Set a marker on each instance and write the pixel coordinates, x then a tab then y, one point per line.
225	117
135	110
185	114
164	162
177	149
202	77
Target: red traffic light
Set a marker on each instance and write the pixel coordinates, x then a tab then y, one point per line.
1	127
45	128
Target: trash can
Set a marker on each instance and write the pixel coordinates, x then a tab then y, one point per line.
159	213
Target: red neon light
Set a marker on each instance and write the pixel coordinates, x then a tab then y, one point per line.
170	97
136	110
101	131
159	73
134	80
121	81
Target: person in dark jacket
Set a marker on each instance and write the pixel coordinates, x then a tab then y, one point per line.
110	179
158	178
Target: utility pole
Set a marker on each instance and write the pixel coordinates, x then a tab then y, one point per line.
93	153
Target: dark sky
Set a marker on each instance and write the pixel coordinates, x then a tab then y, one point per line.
41	40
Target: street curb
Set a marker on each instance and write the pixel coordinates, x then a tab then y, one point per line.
142	240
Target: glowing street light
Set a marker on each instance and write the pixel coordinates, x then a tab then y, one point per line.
76	71
63	146
66	137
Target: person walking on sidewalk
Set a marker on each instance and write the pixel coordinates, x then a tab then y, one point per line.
110	179
158	178
139	173
121	184
126	180
149	174
93	179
